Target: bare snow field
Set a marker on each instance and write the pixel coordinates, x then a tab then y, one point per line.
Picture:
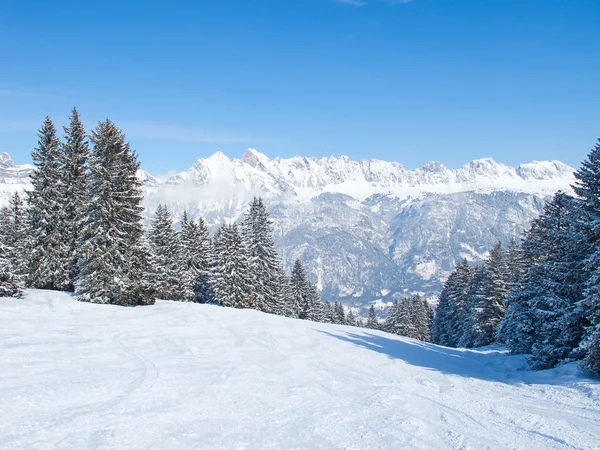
179	376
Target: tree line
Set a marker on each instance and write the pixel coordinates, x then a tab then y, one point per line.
80	230
540	296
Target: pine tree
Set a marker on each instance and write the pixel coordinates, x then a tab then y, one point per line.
587	188
258	236
491	299
233	281
561	281
393	319
114	262
173	280
372	321
350	318
197	255
12	248
300	288
453	311
476	327
329	312
76	154
13	233
339	313
10	284
316	312
48	252
421	315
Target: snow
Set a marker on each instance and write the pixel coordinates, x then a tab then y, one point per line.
426	269
175	376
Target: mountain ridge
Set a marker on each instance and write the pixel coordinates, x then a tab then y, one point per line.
366	230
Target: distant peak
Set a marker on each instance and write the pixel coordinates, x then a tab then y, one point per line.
219	155
6	159
434	166
481	161
254	158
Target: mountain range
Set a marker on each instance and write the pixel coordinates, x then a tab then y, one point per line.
367	229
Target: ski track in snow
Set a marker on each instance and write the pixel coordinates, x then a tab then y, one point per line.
173	375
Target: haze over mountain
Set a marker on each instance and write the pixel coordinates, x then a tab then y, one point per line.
366	229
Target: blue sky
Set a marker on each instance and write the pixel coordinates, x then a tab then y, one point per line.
409	81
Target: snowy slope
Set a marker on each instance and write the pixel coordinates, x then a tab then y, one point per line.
177	376
364	229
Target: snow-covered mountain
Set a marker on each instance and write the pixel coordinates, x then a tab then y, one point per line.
366	229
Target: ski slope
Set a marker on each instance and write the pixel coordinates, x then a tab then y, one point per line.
178	376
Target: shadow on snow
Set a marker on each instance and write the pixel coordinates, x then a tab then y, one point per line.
489	363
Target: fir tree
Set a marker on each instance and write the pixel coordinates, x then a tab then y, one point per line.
339	313
489	304
233	281
453	311
256	229
13	233
372	321
114	263
76	154
587	188
49	255
300	288
560	283
10	284
350	318
329	312
173	280
197	255
316	312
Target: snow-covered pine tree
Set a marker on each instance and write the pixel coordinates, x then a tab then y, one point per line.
300	286
329	312
114	262
350	318
518	329
233	281
392	320
316	313
515	263
491	304
11	284
560	280
452	311
283	303
404	320
473	327
13	233
587	188
197	251
421	315
12	248
372	320
173	280
258	236
339	313
48	265
76	153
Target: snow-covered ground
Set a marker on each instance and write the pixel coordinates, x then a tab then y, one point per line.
76	375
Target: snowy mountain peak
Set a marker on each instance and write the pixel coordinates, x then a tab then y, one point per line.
254	158
11	173
6	160
544	170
